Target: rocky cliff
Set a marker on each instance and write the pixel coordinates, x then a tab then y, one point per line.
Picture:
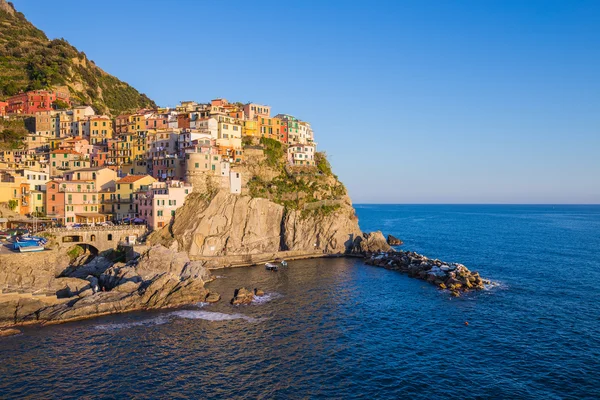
280	209
231	224
40	288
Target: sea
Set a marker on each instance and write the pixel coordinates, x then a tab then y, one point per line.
337	328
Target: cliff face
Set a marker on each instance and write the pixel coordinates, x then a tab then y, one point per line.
30	61
282	208
235	225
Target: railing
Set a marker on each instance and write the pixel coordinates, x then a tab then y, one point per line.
97	228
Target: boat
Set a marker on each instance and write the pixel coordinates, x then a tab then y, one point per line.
271	267
281	262
26	244
30	249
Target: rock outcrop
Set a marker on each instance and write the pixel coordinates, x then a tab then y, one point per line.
394	241
369	243
242	296
159	278
238	225
452	276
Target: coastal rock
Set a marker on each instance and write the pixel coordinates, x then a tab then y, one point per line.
259	292
394	241
9	332
242	296
212	297
370	243
455	277
161	278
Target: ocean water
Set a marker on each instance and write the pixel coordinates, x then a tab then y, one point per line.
336	328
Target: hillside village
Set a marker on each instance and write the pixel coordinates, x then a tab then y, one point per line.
73	166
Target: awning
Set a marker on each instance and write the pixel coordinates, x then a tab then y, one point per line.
90	215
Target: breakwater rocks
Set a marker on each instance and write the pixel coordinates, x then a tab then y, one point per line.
451	276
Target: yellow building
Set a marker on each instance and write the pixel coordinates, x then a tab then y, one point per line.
250	128
123	205
101	129
37	202
269	127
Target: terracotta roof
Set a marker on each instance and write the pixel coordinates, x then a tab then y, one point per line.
131	178
59	151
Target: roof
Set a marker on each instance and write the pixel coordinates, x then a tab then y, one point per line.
132	178
88	169
60	151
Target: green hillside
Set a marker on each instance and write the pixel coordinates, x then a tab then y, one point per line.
29	60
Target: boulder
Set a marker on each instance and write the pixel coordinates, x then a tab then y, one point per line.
370	243
259	292
394	241
212	297
242	296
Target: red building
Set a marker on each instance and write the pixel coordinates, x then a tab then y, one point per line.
3	106
157	121
283	132
34	101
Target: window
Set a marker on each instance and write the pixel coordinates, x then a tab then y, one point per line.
109	237
159	213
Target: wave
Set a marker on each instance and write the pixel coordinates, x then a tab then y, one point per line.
163	319
266	298
212	316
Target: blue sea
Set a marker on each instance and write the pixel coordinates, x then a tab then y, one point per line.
336	328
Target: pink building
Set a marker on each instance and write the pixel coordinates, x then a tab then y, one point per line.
158	204
77	144
252	110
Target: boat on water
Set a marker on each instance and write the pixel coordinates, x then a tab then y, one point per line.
271	267
274	266
30	249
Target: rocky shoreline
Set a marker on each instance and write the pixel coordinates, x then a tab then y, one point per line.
454	277
53	289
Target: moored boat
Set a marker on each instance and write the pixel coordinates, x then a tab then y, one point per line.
29	249
271	267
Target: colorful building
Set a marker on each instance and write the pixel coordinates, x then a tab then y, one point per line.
35	100
123	205
252	110
100	129
62	161
158	203
302	154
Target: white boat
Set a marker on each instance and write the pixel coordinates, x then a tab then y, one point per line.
271	267
31	249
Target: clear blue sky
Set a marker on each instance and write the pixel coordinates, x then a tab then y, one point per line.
414	101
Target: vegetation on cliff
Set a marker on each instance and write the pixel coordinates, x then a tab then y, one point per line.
30	61
11	134
295	188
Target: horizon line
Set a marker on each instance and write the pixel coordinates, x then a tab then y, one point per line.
478	204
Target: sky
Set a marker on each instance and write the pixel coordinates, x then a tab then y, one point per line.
413	101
